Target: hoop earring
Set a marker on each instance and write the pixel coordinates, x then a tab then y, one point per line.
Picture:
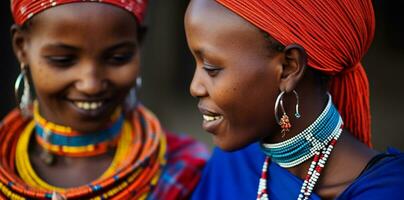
284	121
25	100
132	99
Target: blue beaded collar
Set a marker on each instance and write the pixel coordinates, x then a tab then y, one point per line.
303	146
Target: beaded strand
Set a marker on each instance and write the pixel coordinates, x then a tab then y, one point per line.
132	177
315	169
321	141
262	187
64	141
313	174
301	147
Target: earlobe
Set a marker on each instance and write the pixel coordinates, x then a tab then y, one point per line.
19	41
293	67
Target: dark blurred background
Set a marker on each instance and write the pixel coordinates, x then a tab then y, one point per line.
167	69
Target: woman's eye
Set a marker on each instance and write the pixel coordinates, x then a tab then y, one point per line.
119	59
61	61
211	69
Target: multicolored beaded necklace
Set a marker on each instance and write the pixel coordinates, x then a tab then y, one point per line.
133	173
315	141
64	141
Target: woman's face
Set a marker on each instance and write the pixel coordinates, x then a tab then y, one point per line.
83	59
236	78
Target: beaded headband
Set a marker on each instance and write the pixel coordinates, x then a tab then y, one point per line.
24	10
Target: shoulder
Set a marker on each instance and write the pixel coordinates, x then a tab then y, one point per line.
383	180
186	158
231	171
243	158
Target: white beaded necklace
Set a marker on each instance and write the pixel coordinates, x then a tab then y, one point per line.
319	149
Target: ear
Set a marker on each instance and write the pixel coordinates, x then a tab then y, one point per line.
20	41
293	67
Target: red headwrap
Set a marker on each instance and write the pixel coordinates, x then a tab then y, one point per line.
335	34
23	10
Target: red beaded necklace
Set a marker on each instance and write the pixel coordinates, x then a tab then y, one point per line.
135	177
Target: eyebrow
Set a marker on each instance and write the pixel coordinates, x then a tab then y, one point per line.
130	44
123	44
62	46
200	53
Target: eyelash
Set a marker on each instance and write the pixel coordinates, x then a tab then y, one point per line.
66	61
211	69
119	59
61	61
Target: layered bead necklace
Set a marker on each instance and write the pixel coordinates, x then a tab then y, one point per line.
64	141
135	169
317	141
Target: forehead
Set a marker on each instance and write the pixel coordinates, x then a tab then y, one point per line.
89	20
208	22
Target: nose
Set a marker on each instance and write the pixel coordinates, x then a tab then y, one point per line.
91	81
197	87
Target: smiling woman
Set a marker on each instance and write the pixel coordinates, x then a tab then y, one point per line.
282	90
85	135
80	79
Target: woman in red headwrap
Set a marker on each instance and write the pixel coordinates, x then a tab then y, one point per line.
84	135
280	85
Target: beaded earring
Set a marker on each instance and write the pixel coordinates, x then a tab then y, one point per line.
131	100
46	155
25	100
284	121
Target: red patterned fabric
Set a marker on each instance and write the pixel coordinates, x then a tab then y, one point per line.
23	10
185	161
335	34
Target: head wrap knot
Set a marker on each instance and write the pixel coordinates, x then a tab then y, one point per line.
24	10
335	34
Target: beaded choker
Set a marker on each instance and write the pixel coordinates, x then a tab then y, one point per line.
64	141
303	146
317	141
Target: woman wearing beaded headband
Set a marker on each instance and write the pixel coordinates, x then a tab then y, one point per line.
288	75
85	136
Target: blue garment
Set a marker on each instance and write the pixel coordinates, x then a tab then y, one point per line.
235	175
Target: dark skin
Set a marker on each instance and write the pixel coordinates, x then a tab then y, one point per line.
73	60
237	79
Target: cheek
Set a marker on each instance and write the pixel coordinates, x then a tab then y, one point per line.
124	76
249	101
46	81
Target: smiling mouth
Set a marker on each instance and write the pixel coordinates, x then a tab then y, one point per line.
210	118
88	105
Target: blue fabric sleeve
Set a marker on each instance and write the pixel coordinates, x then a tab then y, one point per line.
231	175
384	181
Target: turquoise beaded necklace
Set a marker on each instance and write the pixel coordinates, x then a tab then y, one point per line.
304	145
317	140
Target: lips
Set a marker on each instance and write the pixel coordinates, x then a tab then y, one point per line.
88	105
211	119
90	108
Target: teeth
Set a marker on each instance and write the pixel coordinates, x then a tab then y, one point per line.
211	118
86	105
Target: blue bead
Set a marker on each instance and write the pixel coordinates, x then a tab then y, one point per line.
313	138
